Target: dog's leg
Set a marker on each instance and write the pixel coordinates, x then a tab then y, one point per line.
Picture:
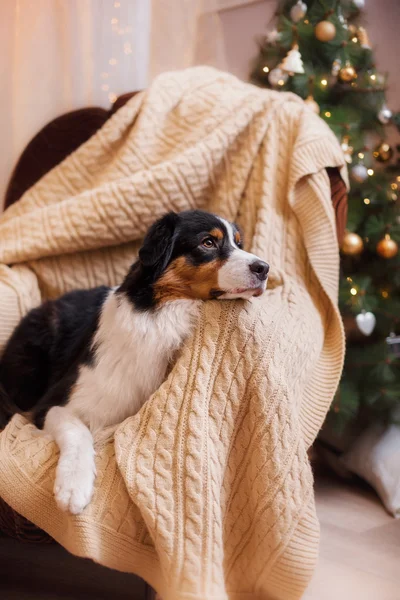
75	474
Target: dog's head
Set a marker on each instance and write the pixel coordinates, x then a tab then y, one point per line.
195	255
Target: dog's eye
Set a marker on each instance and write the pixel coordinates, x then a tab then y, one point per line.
208	243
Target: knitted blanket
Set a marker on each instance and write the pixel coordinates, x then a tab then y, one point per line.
207	492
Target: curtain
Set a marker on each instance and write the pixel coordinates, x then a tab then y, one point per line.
60	55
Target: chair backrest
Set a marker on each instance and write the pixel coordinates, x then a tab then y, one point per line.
66	133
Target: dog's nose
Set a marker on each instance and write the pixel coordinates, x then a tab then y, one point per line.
259	268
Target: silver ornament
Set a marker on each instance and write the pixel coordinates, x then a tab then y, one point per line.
360	4
277	77
298	11
366	322
359	173
384	115
273	36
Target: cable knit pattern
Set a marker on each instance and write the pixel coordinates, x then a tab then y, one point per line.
207	492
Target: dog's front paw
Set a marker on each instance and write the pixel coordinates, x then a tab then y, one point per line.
73	487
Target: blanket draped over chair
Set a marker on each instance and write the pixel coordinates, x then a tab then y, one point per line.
207	492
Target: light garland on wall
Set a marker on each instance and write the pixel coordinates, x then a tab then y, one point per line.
119	29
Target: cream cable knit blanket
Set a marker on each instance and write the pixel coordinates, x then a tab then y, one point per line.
207	493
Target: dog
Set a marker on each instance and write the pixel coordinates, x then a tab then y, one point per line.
91	358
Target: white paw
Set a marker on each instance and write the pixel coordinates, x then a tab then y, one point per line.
73	487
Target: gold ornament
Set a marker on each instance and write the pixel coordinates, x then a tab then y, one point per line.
325	31
387	248
347	73
347	149
352	30
383	152
352	244
312	104
363	38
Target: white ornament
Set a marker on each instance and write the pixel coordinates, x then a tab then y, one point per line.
384	115
277	77
366	322
337	63
360	4
292	62
359	173
298	11
273	36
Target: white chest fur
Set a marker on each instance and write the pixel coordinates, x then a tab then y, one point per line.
132	352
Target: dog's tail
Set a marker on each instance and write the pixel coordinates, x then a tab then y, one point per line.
7	408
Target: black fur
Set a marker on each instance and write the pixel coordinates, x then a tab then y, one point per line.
41	361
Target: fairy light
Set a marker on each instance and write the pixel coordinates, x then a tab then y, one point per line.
328	114
370	172
354	39
306	22
367	201
105	87
373	77
266	69
112	97
353	291
127	48
104	75
112	61
117	4
324	82
385	294
394	186
281	82
398	178
349	279
114	21
361	155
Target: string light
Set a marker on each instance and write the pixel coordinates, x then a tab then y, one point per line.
127	48
112	97
354	39
306	22
367	201
394	186
114	21
385	294
117	4
398	178
105	87
373	77
370	172
281	82
349	279
328	114
112	61
324	82
353	291
361	155
266	69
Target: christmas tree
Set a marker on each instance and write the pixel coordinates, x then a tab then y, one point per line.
319	49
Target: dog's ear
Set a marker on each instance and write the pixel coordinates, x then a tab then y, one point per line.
159	242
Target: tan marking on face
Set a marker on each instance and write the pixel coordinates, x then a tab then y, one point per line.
183	280
217	233
237	238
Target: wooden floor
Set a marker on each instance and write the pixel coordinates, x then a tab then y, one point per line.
360	545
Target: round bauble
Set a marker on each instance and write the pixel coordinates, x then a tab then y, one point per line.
387	248
277	77
359	173
314	106
298	11
383	152
360	4
347	74
384	115
325	31
352	244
